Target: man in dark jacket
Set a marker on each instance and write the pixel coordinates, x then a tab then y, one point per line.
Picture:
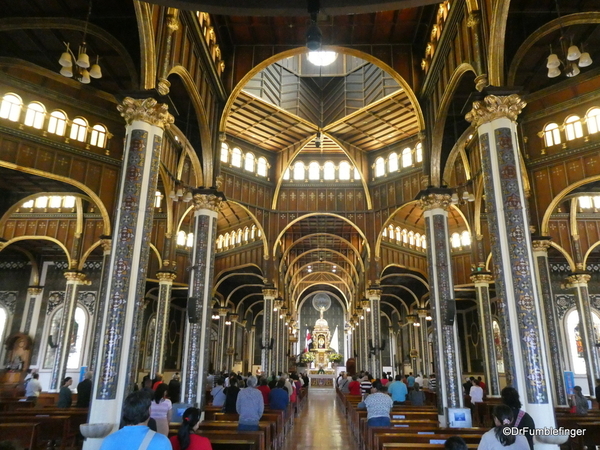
84	391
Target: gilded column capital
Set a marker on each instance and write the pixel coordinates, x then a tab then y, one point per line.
106	243
482	278
541	245
435	200
34	290
166	276
75	277
208	199
147	110
270	293
473	19
222	312
374	293
423	313
173	21
579	278
495	107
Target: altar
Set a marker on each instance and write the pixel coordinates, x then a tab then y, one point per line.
323	380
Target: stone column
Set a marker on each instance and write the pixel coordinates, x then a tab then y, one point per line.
126	277
425	364
482	281
363	342
552	331
67	321
165	285
277	342
374	297
220	356
516	280
196	361
266	362
579	282
435	203
251	339
32	310
105	242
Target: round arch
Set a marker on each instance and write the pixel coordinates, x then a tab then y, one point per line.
39	238
343	302
295	294
344	257
409	275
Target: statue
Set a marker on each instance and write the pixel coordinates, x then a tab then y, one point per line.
321	334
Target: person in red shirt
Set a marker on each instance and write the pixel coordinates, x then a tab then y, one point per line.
482	384
157	381
186	438
265	390
354	386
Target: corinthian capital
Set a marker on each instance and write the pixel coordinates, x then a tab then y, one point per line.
495	107
579	278
210	199
147	110
481	278
75	277
166	276
541	245
435	200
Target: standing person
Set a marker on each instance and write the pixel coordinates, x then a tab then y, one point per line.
136	412
365	384
34	388
65	396
250	406
416	396
186	438
218	393
161	409
384	379
84	391
432	383
265	390
398	391
231	394
278	397
500	437
578	401
354	385
410	380
174	390
157	381
521	420
476	393
419	379
343	384
467	385
482	385
378	405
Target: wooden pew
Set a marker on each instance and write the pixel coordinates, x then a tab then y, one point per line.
231	427
24	435
401	445
11	404
52	428
421	438
238	440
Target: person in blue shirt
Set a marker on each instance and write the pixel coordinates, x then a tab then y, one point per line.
279	397
398	391
411	380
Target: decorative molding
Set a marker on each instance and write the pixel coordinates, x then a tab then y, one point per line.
166	276
435	201
495	107
34	291
75	277
482	278
579	278
210	200
269	293
9	300
147	110
541	245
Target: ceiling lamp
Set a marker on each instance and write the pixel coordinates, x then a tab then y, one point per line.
321	57
77	68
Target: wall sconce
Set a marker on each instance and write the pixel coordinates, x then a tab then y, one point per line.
366	305
466	197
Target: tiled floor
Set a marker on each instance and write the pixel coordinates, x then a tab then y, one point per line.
321	425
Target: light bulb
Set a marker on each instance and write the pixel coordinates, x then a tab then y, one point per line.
95	71
85	77
66	72
83	60
65	60
553	61
573	53
172	194
187	197
573	70
454	198
553	73
585	60
179	192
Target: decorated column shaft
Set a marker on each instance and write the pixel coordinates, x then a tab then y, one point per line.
516	279
32	310
552	331
221	339
266	358
100	306
65	332
196	360
435	203
423	341
374	297
482	281
277	342
165	286
364	351
579	282
127	269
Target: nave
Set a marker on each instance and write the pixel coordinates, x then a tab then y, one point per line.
320	425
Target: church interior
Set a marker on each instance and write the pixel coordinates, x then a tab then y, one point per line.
190	186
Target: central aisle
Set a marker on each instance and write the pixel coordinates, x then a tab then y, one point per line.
321	425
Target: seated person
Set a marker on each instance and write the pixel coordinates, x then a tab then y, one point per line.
278	397
379	405
186	438
218	393
416	396
354	385
500	436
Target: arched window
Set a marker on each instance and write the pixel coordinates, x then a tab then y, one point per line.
249	162
455	240
356	174
57	124
551	135
181	238
68	201
314	171
398	234
3	324
573	128
236	157
299	170
575	339
98	136
224	152
465	238
10	108
253	232
239	236
329	171
259	233
384	232
232	238
407	157
417	240
79	129
246	234
593	120
220	242
344	170
424	242
498	346
411	238
286	174
261	167
189	241
393	162
379	167
419	152
226	240
404	236
77	339
35	115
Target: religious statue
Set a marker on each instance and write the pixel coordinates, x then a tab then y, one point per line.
321	333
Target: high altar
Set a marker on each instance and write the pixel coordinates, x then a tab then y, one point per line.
321	337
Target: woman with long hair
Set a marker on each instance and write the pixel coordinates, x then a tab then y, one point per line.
578	401
521	420
186	438
501	437
160	409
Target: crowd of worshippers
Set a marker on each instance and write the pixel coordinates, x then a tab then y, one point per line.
33	389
